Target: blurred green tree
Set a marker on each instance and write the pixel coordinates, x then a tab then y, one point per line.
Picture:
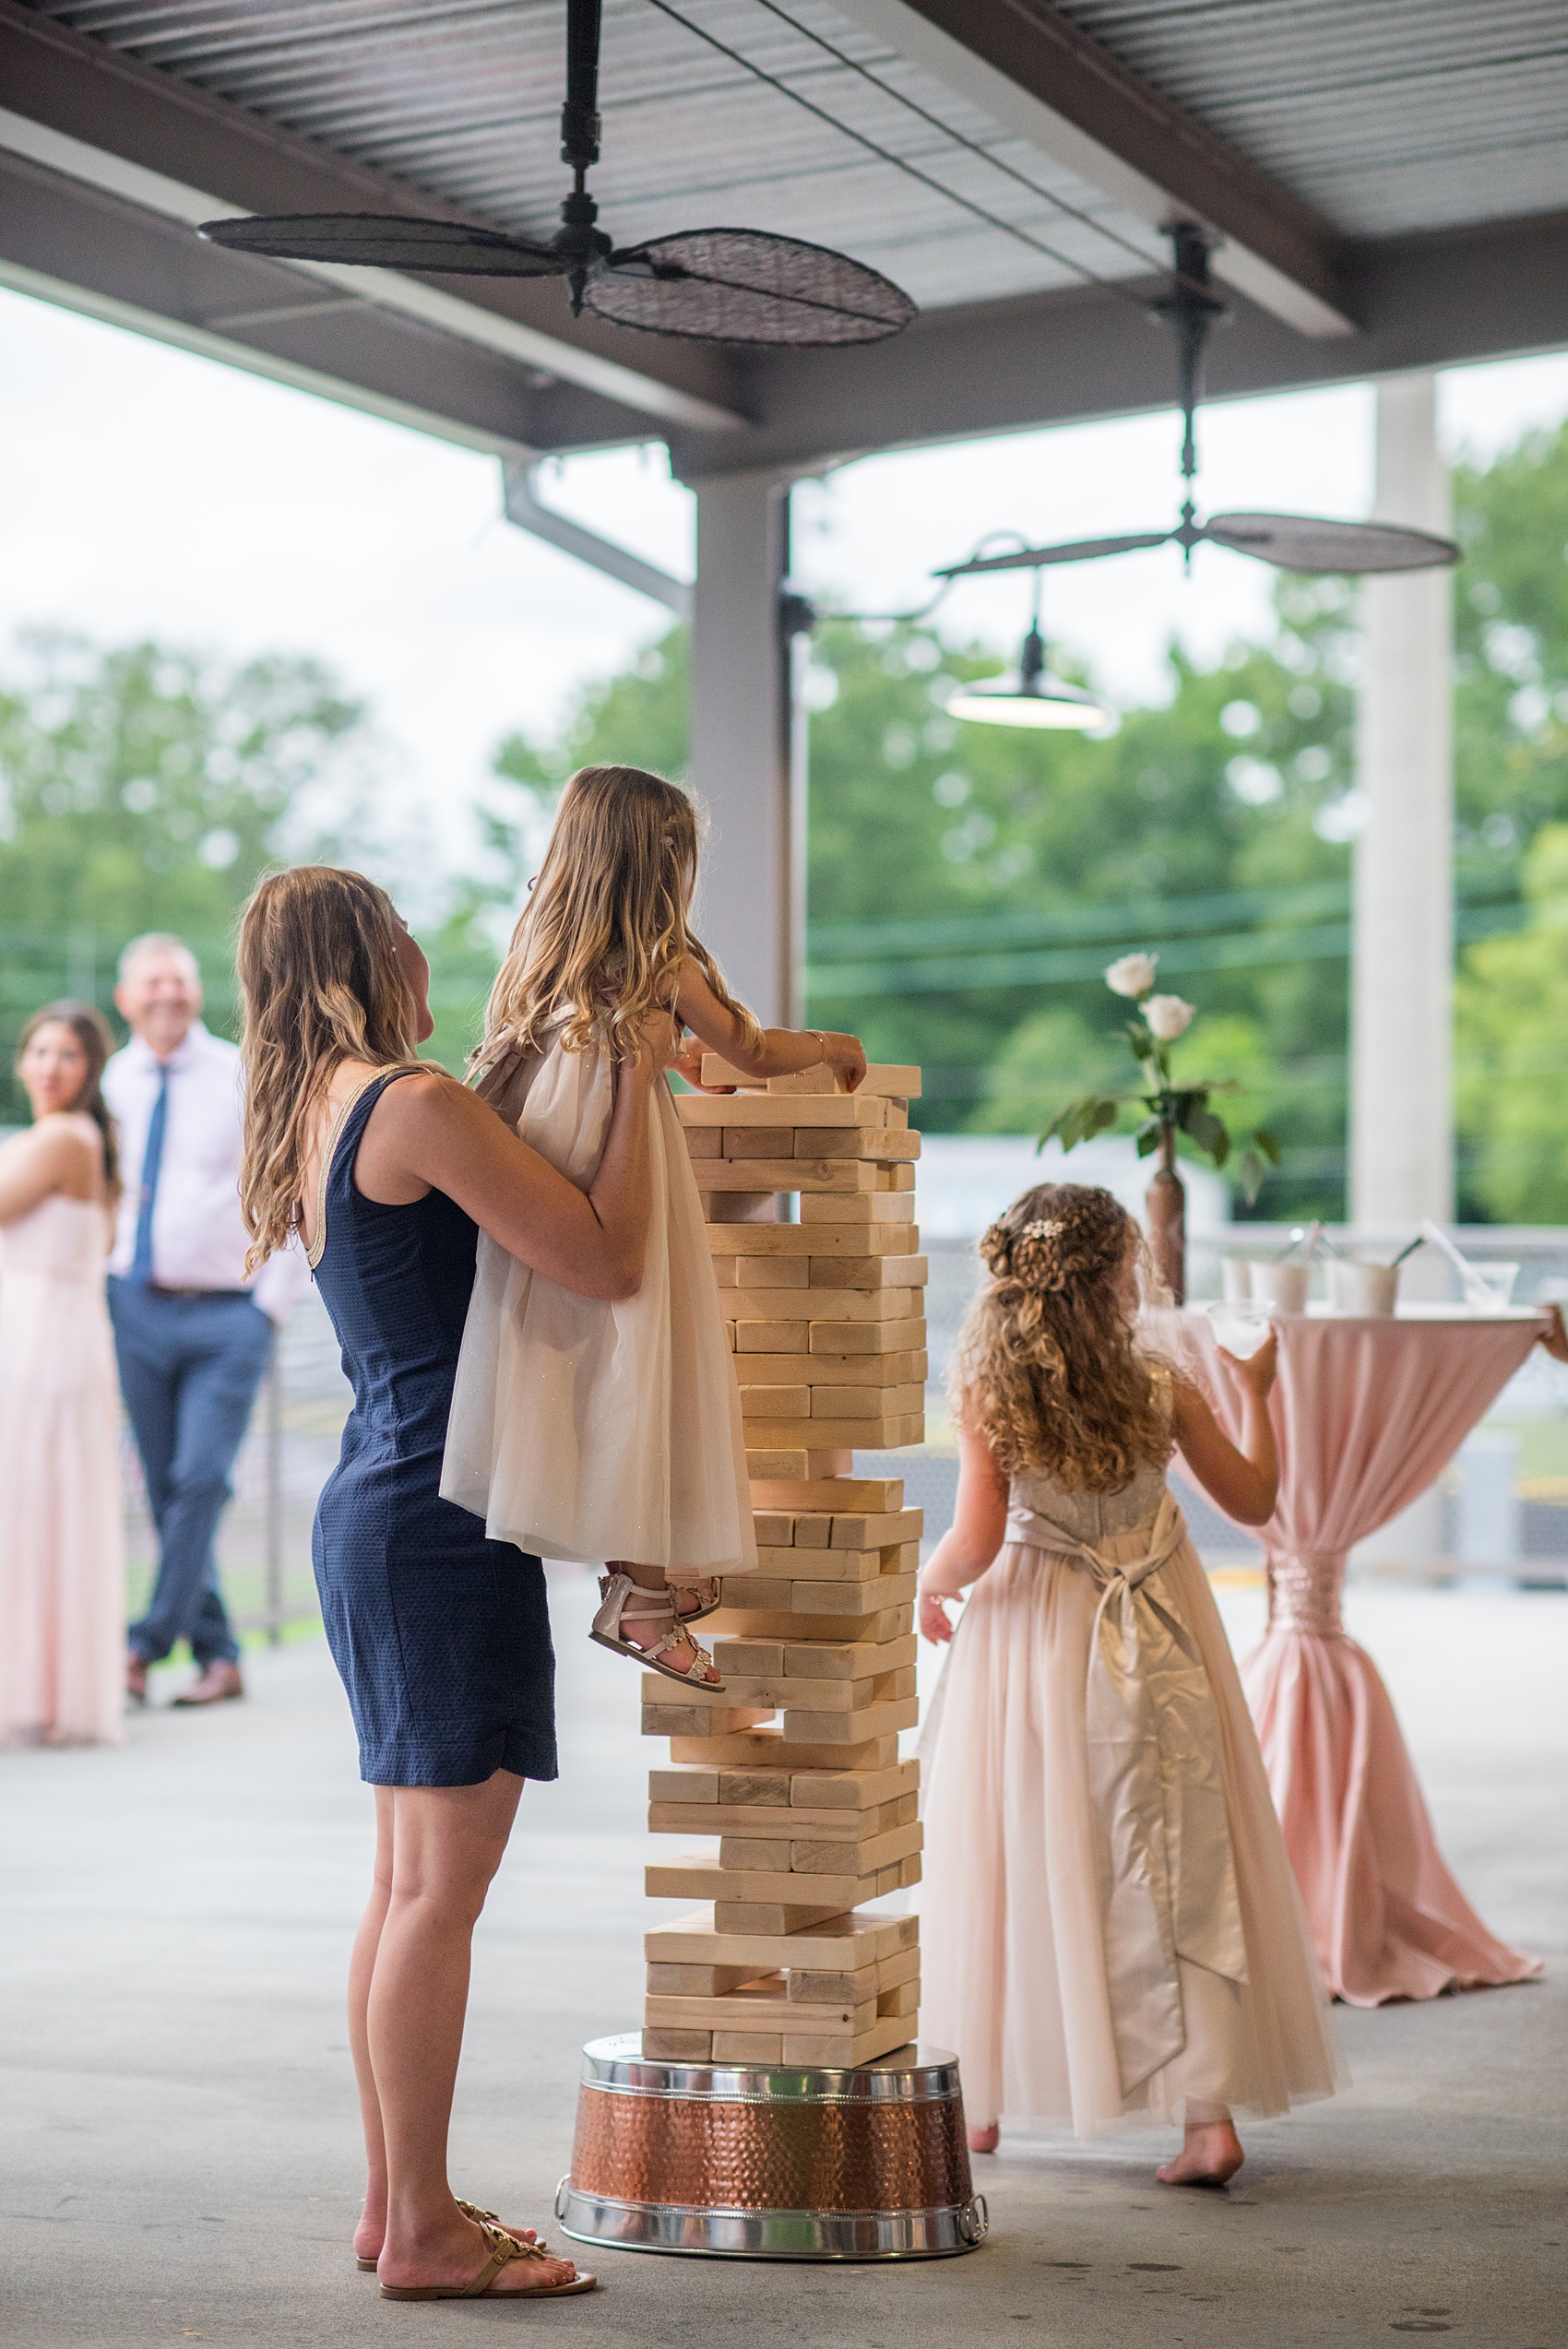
143	788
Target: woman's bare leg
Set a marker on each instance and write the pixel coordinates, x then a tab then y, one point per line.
447	1845
362	1966
1211	2151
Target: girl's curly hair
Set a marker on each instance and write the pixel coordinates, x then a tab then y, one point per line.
1048	1365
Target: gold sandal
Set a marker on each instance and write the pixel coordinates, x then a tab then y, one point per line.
623	1598
708	1593
470	2210
504	2250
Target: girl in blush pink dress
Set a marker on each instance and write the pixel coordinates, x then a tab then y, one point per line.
62	1545
1112	1933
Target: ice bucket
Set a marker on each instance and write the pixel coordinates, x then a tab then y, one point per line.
770	2161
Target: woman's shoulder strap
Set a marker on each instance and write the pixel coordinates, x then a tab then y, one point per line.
350	1124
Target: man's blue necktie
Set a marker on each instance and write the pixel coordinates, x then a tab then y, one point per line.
152	1161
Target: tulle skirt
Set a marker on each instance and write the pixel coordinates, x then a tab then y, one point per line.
1015	1975
592	1431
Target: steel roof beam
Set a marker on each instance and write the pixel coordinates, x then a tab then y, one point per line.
1494	291
1035	72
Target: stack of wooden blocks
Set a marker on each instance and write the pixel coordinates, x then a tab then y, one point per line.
794	1763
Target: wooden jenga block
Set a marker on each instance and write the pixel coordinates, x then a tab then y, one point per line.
743	2013
695	1716
755	1140
786	1337
678	2047
780	1463
696	1878
770	1918
887	1434
845	1495
849	1942
837	1111
849	1178
880	1144
817	1242
817	2047
888	1302
858	1374
770	1749
747	2046
739	1622
842	1341
868	1272
807	1724
706	1142
760	1401
714	1981
831	1210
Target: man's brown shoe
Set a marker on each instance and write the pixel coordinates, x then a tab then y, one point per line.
218	1680
135	1677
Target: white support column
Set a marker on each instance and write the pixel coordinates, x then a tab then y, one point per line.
750	912
1401	1021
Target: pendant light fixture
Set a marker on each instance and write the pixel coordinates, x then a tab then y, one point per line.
1032	698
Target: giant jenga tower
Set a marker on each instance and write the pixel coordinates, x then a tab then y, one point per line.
794	1764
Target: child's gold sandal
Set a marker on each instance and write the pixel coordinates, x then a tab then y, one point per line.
624	1601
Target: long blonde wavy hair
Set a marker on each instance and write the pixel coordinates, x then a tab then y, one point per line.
1048	1365
320	983
606	923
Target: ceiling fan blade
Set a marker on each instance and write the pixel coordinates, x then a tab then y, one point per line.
385	240
741	286
1039	558
1312	542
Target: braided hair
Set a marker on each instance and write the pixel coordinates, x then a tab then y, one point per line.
1048	1365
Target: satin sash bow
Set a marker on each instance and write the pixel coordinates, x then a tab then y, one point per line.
1168	1877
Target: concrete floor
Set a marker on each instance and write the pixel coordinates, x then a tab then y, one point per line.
177	2135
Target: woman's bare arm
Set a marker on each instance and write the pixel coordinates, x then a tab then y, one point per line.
783	1051
1244	1480
971	1543
60	1154
430	1132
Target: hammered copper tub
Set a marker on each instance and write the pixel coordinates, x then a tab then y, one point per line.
771	2163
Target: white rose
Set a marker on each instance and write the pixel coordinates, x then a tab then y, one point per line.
1169	1017
1134	975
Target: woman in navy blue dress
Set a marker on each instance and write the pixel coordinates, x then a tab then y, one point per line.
387	1168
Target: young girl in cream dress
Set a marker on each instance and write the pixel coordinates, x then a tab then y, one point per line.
598	1432
1111	1930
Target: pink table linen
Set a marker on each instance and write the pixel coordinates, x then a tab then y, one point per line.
1366	1415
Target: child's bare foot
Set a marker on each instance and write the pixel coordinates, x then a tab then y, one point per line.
1210	2156
984	2140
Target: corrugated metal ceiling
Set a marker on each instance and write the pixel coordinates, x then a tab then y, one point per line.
1385	115
462	97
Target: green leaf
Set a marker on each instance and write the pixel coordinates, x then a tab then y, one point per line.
1148	1136
1269	1145
1104	1115
1208	1132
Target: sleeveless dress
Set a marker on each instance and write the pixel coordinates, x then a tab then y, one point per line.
592	1431
441	1635
1112	1928
62	1538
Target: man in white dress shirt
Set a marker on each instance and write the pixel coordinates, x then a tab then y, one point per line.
193	1333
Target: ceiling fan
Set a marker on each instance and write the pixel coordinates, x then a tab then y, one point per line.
1293	542
714	285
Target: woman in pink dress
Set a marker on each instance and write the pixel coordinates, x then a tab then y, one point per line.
62	1543
1112	1934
